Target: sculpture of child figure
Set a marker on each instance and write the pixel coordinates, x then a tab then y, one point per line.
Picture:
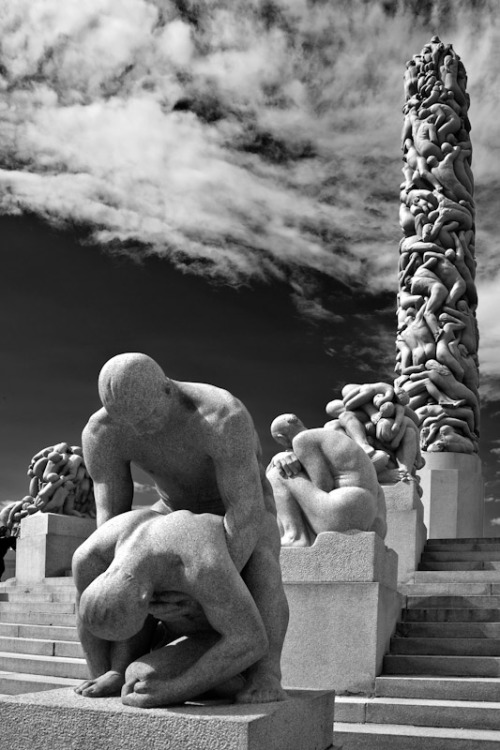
141	570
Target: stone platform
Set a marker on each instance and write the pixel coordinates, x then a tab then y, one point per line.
344	606
62	720
46	545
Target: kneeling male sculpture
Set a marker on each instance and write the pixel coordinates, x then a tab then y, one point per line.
199	445
142	572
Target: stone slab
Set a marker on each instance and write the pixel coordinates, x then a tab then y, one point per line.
335	556
404	737
344	605
62	720
47	543
406	531
453	495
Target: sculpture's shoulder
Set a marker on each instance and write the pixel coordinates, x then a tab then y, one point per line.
223	415
98	426
101	437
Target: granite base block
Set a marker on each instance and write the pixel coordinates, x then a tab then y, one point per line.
344	605
406	531
47	543
453	495
62	720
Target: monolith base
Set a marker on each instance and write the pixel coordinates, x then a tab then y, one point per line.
453	495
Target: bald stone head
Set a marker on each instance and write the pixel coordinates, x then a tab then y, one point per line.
285	427
132	387
115	605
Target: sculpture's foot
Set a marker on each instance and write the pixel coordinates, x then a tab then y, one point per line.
419	462
261	689
379	459
106	685
145	694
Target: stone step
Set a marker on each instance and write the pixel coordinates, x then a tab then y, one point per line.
459	555
457	576
439	688
39	618
418	601
403	737
454	565
447	588
487	542
15	684
42	647
443	614
55	666
448	629
64	594
418	712
458	666
17	630
35	605
446	647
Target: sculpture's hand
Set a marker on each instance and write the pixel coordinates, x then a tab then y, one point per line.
287	464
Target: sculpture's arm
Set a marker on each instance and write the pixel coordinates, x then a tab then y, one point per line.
241	482
106	660
110	472
233	614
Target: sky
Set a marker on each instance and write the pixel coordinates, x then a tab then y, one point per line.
217	184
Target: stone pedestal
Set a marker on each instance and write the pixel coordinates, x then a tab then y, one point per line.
60	719
344	606
453	495
406	531
46	544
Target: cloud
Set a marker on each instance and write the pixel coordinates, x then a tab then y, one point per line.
241	140
492	499
495	522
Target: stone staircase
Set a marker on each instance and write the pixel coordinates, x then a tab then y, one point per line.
440	684
39	647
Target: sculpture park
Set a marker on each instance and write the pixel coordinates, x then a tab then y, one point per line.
340	594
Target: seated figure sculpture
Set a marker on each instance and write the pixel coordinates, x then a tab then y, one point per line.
199	445
143	569
324	481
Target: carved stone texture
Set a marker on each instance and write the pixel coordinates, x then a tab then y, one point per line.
437	339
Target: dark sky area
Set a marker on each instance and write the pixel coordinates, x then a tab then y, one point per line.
67	307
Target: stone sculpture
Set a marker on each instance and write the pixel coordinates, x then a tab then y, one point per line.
324	481
199	445
163	614
59	483
387	428
437	295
